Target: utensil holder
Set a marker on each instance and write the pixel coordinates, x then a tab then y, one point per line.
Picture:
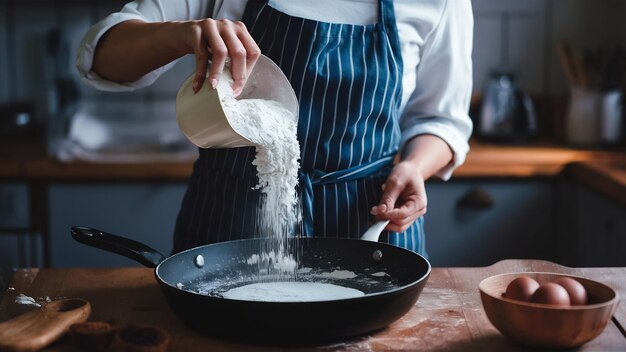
583	122
594	117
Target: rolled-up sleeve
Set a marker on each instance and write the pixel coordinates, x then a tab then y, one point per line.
439	104
144	10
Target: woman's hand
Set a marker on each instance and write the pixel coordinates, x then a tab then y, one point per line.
404	197
134	48
218	39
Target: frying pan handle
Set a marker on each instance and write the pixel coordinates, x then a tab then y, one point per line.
134	250
374	231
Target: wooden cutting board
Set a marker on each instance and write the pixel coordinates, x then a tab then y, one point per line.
39	328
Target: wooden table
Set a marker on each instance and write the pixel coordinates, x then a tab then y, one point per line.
447	317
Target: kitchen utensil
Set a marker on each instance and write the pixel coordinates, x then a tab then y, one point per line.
390	277
507	113
37	329
572	66
546	326
202	119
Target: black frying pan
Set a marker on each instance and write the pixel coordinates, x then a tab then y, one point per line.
392	284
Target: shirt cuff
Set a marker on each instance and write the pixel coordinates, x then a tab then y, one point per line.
86	51
449	134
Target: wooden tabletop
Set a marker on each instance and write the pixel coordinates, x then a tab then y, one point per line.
447	317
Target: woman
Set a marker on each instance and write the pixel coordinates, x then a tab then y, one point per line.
375	80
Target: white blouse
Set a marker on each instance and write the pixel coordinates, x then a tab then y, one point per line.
435	35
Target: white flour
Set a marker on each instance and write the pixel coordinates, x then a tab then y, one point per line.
379	274
273	129
280	263
26	300
291	292
340	274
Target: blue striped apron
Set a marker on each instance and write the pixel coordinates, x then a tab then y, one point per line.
348	80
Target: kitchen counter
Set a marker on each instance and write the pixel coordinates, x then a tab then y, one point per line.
606	177
520	161
28	161
447	317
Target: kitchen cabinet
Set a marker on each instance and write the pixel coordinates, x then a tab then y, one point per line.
517	225
14	205
592	228
145	212
20	245
477	222
470	222
21	250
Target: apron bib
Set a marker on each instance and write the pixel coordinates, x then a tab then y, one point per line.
348	80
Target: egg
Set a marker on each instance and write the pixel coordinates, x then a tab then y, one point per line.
551	293
521	288
575	290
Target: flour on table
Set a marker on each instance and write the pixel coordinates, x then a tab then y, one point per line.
22	304
273	130
283	291
26	300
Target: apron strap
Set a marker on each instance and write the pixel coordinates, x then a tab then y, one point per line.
318	178
387	17
386	13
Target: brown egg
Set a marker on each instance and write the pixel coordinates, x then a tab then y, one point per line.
521	288
551	293
575	290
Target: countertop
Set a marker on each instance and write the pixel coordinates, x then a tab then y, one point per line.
533	160
447	317
603	170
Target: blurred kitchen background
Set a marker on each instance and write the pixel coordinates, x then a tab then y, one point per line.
72	155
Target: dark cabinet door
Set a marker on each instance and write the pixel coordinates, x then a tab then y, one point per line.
479	222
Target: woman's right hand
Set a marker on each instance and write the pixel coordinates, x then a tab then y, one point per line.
133	48
217	39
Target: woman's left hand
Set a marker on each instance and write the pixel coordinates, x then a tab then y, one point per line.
404	194
404	197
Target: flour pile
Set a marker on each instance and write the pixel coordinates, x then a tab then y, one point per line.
273	129
291	292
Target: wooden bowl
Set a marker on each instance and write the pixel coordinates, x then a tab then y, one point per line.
547	326
93	335
141	338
